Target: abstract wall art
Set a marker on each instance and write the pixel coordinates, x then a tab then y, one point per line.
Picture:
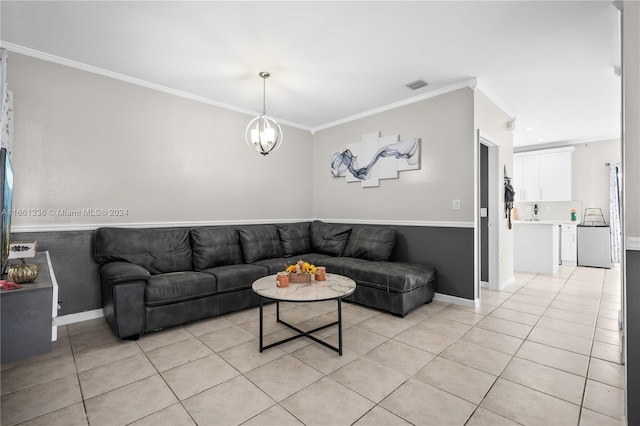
376	157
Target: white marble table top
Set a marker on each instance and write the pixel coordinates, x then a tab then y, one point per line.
335	287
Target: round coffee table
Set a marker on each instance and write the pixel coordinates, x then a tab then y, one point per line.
335	287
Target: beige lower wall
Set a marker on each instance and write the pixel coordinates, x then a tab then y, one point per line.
445	126
84	141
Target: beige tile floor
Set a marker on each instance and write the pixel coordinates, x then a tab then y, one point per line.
543	352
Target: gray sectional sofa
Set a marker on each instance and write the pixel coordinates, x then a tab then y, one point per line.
155	278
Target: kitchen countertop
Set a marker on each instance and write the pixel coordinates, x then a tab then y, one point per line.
545	222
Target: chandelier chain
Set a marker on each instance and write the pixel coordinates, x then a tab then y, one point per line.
264	95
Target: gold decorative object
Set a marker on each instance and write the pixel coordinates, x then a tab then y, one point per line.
23	273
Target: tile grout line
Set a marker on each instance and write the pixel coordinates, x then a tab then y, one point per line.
526	339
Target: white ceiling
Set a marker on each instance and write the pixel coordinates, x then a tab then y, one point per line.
550	64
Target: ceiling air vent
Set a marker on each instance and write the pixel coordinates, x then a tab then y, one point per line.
418	84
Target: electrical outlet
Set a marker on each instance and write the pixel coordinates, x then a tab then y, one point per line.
548	209
456	204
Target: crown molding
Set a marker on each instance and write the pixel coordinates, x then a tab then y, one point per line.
15	48
482	87
538	150
560	144
471	84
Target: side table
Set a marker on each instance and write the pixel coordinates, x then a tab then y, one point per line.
27	314
336	287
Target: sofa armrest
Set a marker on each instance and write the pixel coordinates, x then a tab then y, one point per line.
122	272
123	293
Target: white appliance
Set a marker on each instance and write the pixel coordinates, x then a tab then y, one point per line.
594	246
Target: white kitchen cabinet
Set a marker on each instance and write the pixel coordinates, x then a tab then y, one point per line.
517	177
526	180
543	175
555	176
531	177
568	245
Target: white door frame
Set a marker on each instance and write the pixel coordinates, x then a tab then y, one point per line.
495	210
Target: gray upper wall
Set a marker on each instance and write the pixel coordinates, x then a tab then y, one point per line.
444	125
84	141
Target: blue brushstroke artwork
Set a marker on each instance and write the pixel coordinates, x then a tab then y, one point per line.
397	156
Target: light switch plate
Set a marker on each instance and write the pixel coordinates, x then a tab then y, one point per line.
456	204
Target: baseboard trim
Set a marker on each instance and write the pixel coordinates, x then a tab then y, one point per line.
469	303
79	317
507	283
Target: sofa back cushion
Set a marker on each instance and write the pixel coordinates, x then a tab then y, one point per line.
371	242
216	246
295	238
327	238
260	242
156	250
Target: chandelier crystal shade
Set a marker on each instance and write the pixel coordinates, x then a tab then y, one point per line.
263	133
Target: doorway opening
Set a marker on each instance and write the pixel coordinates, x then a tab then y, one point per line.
488	211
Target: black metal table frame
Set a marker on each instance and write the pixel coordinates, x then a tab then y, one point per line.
302	333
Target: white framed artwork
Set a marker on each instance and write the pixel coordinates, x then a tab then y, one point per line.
376	157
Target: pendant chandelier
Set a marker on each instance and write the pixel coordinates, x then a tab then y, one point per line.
263	133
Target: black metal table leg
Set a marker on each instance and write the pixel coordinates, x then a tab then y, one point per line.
302	333
261	303
340	327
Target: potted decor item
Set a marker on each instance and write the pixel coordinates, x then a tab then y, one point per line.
282	279
321	273
301	272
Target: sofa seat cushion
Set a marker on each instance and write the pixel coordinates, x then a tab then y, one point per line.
393	276
344	265
260	242
215	246
176	287
237	277
279	264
